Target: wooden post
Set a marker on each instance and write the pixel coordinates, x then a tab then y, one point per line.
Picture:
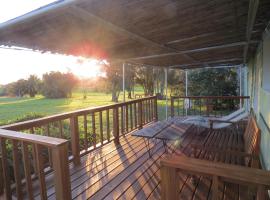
214	188
169	183
1	177
61	172
140	120
75	140
155	109
172	107
116	125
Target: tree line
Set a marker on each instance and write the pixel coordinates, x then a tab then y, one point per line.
52	85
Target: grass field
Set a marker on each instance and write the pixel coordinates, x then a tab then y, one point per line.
13	109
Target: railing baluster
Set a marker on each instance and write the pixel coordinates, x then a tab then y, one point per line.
108	125
155	109
1	176
101	127
122	120
5	168
47	133
75	140
172	107
34	154
140	115
131	116
27	172
116	125
18	181
61	128
135	115
85	132
41	175
94	136
126	118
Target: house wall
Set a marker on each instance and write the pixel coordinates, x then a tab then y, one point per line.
258	81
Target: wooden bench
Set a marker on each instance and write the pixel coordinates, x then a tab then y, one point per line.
232	147
217	172
228	148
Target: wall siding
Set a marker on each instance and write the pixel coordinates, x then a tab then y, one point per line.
260	102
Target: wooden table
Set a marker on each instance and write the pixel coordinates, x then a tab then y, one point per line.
167	130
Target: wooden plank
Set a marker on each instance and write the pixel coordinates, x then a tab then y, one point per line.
108	125
85	132
27	170
31	138
6	173
226	171
101	127
116	125
169	183
15	154
61	172
93	164
94	134
75	139
40	170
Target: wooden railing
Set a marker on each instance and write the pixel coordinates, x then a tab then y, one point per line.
80	132
206	105
20	152
217	172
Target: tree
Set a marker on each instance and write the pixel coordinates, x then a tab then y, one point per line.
114	77
18	88
58	85
213	82
129	79
145	78
33	85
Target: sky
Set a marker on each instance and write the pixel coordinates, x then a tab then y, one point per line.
17	64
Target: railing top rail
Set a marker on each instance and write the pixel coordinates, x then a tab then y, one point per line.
31	138
211	97
45	120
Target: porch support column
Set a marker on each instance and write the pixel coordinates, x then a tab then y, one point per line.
166	91
186	85
240	84
124	91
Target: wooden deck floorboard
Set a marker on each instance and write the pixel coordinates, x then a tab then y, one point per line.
127	172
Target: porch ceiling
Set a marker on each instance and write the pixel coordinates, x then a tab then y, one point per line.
186	33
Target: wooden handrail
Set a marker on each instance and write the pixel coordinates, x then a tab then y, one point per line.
170	165
31	138
60	165
210	97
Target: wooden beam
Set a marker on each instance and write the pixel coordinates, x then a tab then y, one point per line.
252	11
192	50
225	61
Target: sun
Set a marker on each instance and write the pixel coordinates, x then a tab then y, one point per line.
88	68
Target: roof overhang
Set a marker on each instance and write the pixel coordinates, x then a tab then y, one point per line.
186	33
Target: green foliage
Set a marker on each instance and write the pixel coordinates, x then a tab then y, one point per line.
114	78
145	78
212	82
58	85
33	85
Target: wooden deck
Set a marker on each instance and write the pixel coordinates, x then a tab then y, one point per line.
122	172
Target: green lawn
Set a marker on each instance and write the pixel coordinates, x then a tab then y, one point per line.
12	109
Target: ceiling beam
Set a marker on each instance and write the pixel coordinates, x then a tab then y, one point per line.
252	11
222	61
235	44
